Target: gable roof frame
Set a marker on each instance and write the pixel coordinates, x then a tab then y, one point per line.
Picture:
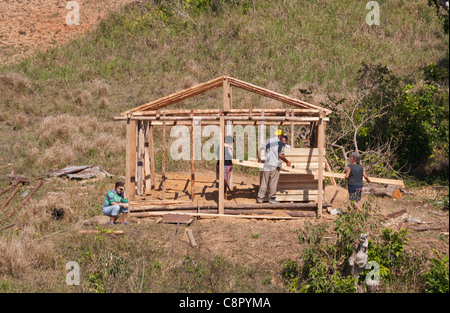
222	82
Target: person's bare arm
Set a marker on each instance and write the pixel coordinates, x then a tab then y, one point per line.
283	157
365	176
347	174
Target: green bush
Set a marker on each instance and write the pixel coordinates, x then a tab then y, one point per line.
388	251
437	277
322	270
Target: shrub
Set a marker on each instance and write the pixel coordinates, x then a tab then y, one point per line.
322	270
437	277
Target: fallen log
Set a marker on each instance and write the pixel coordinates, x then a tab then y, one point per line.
396	214
390	191
425	228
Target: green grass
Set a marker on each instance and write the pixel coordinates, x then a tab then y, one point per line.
60	108
281	45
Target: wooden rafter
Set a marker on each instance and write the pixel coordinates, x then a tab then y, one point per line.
226	82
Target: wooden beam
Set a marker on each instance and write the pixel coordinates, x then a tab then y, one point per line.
228	206
269	217
274	95
192	162
140	175
321	147
152	158
178	96
226	94
147	159
221	192
130	175
10	196
163	171
38	185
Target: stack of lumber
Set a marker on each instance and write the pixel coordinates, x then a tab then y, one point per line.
299	183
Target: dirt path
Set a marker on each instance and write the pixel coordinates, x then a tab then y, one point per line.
26	25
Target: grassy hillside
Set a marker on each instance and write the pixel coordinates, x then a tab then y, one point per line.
58	105
57	109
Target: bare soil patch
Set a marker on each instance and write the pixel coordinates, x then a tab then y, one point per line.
27	25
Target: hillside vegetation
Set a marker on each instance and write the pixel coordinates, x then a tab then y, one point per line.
58	104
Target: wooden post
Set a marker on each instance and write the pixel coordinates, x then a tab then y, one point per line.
321	148
152	158
147	168
140	159
130	173
292	130
192	161
163	174
227	105
221	199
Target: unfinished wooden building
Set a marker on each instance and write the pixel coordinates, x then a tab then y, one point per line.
300	187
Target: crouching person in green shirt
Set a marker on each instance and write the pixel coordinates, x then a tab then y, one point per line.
115	203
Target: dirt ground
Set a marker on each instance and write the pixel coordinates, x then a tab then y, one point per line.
269	242
26	25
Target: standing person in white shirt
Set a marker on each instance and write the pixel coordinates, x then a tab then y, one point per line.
274	154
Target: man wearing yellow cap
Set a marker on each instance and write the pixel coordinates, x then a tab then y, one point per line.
274	154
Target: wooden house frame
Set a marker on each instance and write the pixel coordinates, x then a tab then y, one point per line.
140	122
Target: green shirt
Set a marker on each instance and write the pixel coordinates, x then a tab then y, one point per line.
112	196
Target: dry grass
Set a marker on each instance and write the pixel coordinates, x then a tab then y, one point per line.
57	110
25	251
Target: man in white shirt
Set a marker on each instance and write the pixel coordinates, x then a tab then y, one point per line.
274	154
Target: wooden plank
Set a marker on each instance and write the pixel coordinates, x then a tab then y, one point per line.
274	95
293	186
163	173
221	199
140	159
10	196
191	237
130	174
95	231
147	159
171	218
297	192
321	147
192	162
38	185
301	152
149	214
178	96
303	197
226	94
303	159
152	158
328	168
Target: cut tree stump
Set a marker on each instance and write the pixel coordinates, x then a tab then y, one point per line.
390	191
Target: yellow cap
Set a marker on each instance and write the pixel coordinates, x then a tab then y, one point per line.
279	132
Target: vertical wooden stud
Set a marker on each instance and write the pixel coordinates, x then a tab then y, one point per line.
140	159
152	158
321	148
221	199
227	105
130	174
163	174
147	171
192	160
